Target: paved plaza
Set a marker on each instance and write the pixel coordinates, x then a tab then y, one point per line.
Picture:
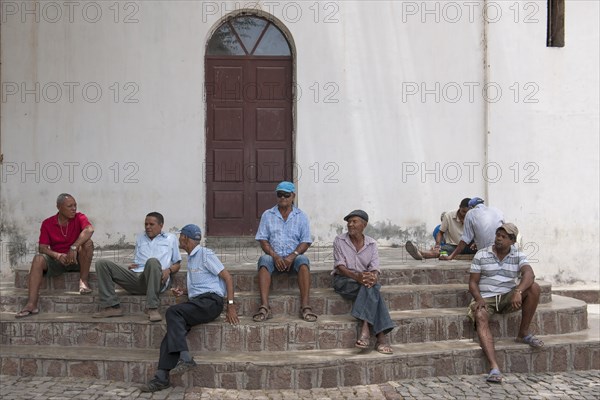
565	385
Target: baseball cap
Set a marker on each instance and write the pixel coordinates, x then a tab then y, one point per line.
357	213
510	228
286	186
192	231
474	201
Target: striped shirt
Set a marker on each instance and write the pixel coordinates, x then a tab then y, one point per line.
497	277
344	253
203	269
284	236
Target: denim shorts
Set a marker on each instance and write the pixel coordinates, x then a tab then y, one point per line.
268	262
449	248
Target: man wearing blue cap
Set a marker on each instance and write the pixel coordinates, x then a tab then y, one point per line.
480	226
284	236
208	283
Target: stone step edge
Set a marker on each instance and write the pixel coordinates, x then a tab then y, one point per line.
6	291
251	269
283	358
559	303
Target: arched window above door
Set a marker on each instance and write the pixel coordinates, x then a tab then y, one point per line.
248	36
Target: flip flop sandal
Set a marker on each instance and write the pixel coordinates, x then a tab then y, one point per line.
26	313
362	343
384	349
308	315
84	289
413	251
495	376
531	340
262	315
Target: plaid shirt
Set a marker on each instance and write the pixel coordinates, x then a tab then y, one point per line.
284	236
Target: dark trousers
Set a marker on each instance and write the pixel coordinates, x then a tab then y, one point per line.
368	305
180	319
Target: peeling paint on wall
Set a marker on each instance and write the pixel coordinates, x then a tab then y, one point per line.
14	244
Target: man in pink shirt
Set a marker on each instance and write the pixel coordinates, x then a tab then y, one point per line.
355	277
65	245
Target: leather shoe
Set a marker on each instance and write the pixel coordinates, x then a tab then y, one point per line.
154	386
182	367
154	315
108	312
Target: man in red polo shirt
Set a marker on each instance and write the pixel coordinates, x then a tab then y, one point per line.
65	245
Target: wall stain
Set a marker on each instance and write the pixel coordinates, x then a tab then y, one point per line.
14	243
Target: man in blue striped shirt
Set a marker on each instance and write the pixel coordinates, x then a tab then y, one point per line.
493	284
284	236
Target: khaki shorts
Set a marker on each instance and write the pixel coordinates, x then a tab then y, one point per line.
55	268
501	304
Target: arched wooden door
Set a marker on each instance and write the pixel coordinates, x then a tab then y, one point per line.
249	123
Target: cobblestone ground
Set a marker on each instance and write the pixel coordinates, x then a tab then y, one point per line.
567	385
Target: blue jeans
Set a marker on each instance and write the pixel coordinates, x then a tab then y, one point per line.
269	263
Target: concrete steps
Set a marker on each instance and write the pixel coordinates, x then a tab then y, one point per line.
283	301
427	301
562	315
309	368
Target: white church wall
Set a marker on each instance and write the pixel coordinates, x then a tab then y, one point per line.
391	118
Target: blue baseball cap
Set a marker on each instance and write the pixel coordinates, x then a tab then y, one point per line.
475	201
286	186
192	231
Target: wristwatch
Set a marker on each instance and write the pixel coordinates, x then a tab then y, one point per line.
230	302
296	253
74	248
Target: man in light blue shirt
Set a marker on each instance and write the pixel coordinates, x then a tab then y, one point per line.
284	236
156	258
208	282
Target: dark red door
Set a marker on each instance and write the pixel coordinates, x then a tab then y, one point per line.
249	135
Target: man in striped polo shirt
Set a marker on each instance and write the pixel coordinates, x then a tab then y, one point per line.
493	284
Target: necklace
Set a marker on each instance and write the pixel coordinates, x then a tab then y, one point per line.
61	230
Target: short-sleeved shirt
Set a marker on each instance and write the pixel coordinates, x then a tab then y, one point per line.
164	247
344	253
452	228
60	238
481	223
203	271
497	277
284	236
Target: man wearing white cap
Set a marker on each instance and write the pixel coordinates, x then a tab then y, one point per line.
208	283
493	284
284	236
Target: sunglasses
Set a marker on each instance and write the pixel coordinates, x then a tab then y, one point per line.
284	194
